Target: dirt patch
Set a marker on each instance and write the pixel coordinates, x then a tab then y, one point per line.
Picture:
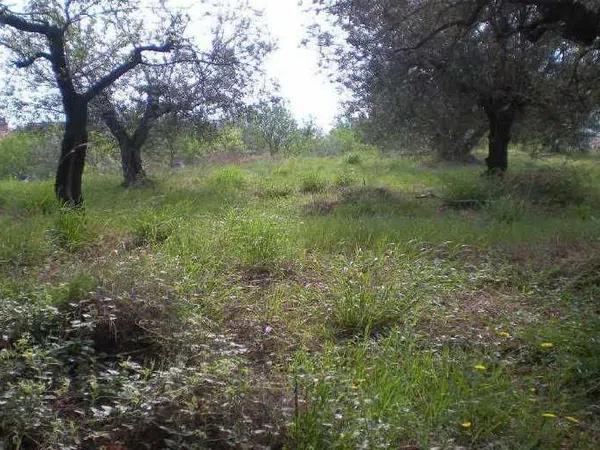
477	317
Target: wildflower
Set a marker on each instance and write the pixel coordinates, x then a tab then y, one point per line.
572	419
466	424
480	367
546	345
549	415
504	334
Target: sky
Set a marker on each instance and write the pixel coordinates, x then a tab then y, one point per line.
294	67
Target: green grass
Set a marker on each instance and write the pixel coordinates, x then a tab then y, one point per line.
357	301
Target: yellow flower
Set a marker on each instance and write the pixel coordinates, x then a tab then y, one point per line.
572	419
549	415
504	334
466	424
479	367
546	345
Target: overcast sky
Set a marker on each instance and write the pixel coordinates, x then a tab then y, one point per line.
295	67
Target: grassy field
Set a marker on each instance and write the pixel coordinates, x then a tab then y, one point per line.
359	301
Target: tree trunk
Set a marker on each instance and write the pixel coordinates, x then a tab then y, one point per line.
131	162
72	156
501	119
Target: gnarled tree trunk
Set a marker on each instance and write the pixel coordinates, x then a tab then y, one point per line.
69	173
501	117
130	146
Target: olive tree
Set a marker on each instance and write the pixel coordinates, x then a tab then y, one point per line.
465	62
207	81
80	48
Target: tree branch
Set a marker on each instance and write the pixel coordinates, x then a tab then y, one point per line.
13	20
134	59
21	64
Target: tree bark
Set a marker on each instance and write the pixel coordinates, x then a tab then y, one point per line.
130	146
131	163
501	118
69	173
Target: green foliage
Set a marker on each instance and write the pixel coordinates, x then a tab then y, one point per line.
346	140
313	183
178	311
362	305
72	230
352	158
253	240
506	198
153	228
28	154
228	178
345	178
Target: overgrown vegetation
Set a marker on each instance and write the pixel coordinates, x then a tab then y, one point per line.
348	301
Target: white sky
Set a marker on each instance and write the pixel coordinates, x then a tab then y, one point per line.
309	92
294	67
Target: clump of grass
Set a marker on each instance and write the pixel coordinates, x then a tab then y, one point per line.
545	187
466	190
78	288
361	309
228	178
379	394
22	244
313	183
362	302
352	159
548	186
72	230
153	228
505	209
345	179
253	239
276	190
